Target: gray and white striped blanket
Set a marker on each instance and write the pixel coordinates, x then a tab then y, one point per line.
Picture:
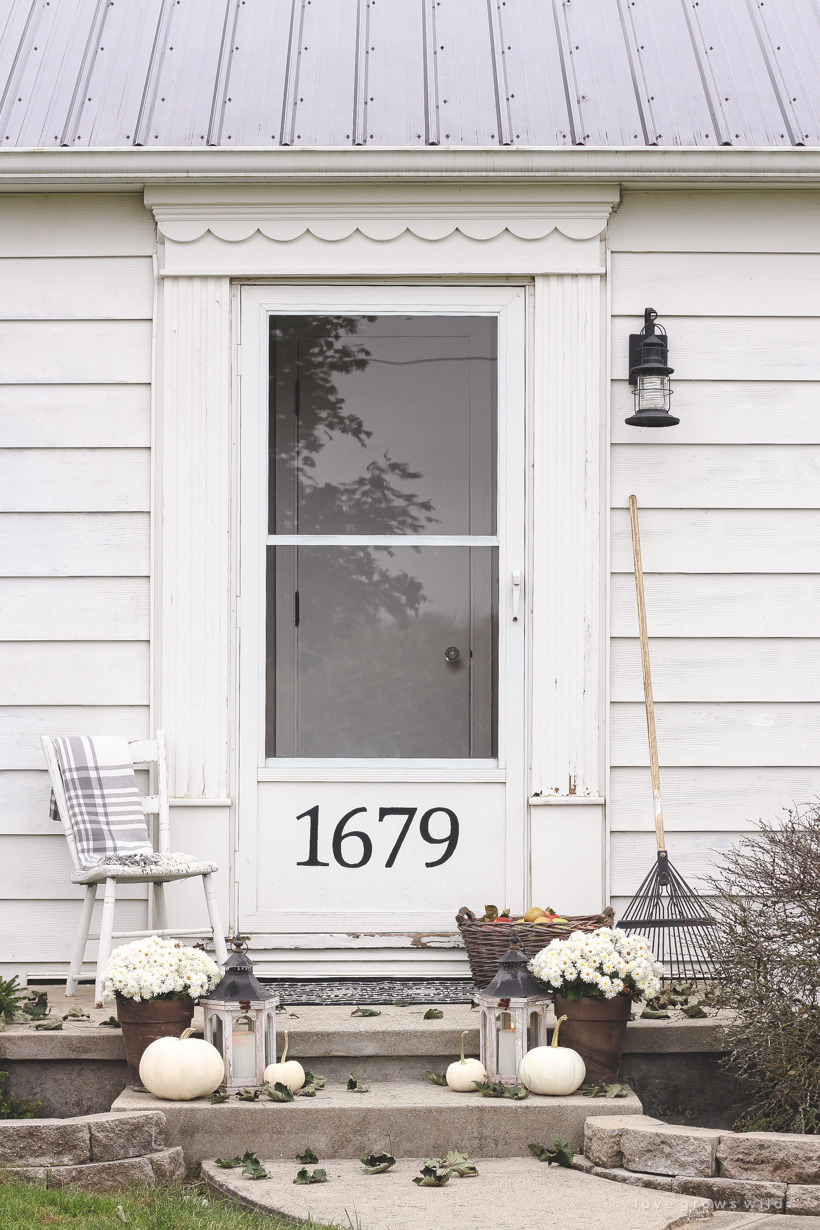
104	804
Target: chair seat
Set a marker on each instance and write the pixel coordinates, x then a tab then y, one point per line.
154	875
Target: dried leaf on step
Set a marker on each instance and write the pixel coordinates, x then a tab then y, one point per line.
561	1154
296	1014
488	1090
216	1098
354	1086
56	1023
277	1092
431	1176
252	1167
650	1014
229	1163
308	1158
433	1014
365	1012
248	1095
281	1008
604	1091
516	1092
459	1164
112	1023
76	1013
437	1078
402	1003
306	1176
693	1011
377	1163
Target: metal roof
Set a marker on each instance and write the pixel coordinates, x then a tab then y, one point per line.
242	73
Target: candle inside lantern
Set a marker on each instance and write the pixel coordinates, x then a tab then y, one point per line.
244	1050
506	1048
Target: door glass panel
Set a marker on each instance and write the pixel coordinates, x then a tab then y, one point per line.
382	651
382	425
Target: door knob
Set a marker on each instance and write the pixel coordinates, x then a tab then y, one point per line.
452	655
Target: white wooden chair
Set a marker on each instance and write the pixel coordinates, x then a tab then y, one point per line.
150	752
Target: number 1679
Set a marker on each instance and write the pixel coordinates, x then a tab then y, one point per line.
341	834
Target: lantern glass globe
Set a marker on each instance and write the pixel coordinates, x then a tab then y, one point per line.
652	393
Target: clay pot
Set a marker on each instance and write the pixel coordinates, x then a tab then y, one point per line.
595	1028
144	1021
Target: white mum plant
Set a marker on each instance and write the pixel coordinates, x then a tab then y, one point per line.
599	965
154	968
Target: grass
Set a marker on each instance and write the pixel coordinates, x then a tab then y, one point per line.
24	1206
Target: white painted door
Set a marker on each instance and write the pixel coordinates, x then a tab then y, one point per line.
382	724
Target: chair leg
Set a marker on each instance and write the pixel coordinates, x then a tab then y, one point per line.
160	907
106	928
81	940
216	923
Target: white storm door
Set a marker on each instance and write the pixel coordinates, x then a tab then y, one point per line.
382	725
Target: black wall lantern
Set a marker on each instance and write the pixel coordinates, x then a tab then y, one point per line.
649	373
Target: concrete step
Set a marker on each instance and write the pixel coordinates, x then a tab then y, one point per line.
508	1194
405	1118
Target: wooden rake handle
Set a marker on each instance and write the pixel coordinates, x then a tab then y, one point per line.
647	674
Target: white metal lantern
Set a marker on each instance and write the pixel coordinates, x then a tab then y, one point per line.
513	1018
240	1021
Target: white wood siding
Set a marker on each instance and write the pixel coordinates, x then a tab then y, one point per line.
76	295
729	506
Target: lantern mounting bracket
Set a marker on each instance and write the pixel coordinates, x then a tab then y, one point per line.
636	341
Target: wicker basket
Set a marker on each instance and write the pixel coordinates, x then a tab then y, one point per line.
486	943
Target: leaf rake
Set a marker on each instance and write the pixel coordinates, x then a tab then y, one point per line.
665	910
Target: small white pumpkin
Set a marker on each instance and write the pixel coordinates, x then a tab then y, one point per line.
181	1068
463	1074
291	1073
555	1070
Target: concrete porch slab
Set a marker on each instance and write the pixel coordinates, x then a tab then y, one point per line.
406	1118
509	1194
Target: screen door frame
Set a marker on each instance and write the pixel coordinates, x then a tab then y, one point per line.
256	303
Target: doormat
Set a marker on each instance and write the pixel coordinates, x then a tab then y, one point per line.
294	991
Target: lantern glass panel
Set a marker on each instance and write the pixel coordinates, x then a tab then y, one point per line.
270	1046
652	393
216	1034
244	1049
505	1045
533	1030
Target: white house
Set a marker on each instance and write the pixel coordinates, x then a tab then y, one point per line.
314	363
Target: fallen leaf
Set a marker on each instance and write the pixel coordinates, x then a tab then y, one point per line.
433	1014
402	1003
650	1014
305	1176
216	1098
365	1012
437	1078
56	1023
377	1163
560	1153
354	1086
252	1167
112	1022
278	1093
308	1158
693	1011
248	1095
229	1163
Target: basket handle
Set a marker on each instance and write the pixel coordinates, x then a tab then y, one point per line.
607	916
465	915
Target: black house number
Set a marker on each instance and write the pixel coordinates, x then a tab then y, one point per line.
345	855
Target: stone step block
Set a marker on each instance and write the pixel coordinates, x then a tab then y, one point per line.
602	1135
786	1158
44	1142
663	1149
409	1119
114	1137
657	1182
735	1195
99	1177
804	1200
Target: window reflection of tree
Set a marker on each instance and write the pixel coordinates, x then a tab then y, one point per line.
358	584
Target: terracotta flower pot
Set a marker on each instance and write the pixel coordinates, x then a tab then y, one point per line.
595	1028
148	1019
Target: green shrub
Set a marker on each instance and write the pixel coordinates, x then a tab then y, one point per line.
15	1108
768	954
11	996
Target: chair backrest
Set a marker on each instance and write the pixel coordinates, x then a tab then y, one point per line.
149	752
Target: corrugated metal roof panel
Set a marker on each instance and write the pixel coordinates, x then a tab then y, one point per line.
80	73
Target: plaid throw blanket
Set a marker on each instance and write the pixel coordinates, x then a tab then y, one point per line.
104	804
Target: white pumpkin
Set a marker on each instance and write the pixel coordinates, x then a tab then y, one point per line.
463	1074
181	1068
291	1073
554	1070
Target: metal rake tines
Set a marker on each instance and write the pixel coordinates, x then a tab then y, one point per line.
676	923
